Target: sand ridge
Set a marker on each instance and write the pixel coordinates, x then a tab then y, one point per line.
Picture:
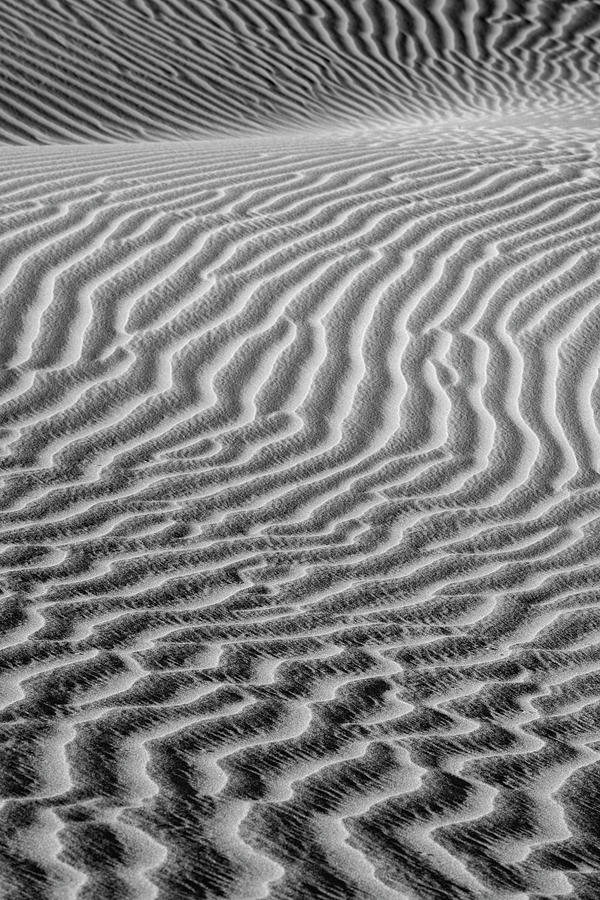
299	466
137	70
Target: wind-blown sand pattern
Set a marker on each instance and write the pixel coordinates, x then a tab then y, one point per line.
300	530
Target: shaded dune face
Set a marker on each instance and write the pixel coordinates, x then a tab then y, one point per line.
90	70
299	450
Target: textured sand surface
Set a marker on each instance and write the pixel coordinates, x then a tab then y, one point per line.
300	450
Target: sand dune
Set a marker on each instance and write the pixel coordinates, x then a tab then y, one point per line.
145	69
300	467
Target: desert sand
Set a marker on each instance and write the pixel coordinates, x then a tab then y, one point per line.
300	450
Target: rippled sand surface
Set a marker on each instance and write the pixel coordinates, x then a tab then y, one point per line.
300	450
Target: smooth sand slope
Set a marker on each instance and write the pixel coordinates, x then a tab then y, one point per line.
300	469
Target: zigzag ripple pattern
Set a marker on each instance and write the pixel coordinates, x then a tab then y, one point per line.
300	450
300	530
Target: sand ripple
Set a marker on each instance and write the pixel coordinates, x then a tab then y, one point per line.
300	453
89	70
